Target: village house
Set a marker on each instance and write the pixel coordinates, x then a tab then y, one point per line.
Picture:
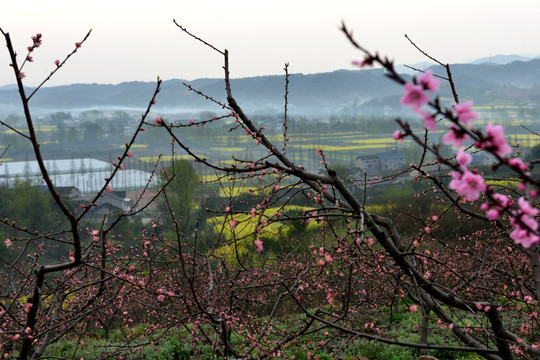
107	204
381	162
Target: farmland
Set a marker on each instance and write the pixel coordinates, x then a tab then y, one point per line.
341	139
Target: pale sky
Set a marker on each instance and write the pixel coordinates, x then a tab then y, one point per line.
137	40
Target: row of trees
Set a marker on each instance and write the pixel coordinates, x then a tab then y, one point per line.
467	261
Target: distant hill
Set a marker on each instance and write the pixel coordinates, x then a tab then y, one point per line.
500	59
315	92
324	93
409	68
519	74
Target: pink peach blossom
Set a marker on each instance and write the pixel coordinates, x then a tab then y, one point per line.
496	141
493	214
414	96
455	136
526	207
525	225
368	61
524	232
258	245
517	163
464	112
468	184
429	121
463	158
428	81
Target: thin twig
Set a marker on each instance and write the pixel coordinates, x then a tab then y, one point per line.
423	52
198	38
15	130
286	96
59	66
446	67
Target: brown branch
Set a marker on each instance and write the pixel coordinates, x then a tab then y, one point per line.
286	97
15	131
59	66
446	67
199	39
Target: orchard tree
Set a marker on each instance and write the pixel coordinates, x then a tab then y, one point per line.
469	269
481	287
62	273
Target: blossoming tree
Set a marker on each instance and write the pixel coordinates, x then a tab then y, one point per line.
53	280
482	287
337	269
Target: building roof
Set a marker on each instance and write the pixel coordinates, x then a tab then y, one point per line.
368	157
479	158
62	166
390	155
385	155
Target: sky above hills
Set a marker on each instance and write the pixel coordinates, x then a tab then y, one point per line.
137	40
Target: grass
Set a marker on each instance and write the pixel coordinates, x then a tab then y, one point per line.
178	344
328	148
42	128
238	239
135	146
528	140
504	183
210	178
227	149
226	192
246	223
375	141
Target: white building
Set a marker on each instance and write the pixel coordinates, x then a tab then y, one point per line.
88	175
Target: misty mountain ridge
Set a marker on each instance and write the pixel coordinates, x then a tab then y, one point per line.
498	59
501	59
484	81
